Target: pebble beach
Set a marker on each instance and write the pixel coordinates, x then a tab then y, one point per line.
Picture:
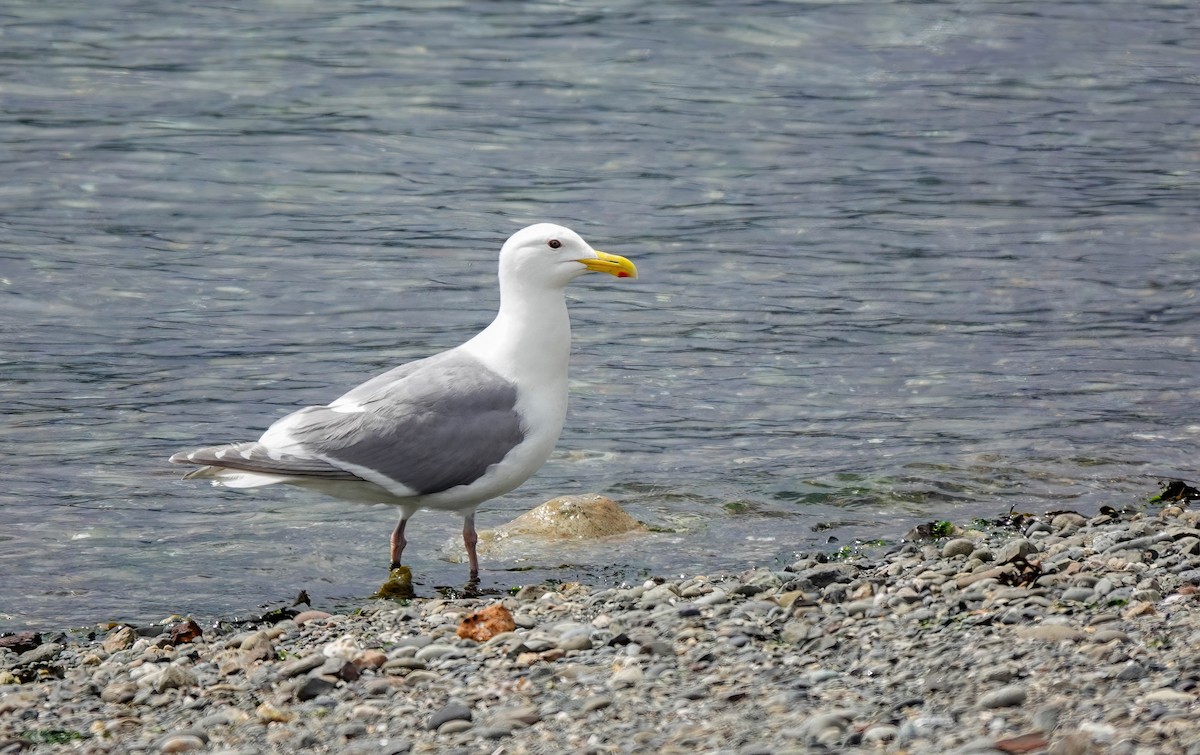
1061	633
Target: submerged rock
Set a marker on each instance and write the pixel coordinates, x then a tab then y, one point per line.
566	518
569	516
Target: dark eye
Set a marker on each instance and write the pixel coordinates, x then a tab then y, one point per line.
554	243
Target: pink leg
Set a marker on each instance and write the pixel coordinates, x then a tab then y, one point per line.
470	538
398	542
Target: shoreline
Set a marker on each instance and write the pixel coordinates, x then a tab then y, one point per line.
1063	635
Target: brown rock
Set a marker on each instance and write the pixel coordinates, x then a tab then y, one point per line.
268	713
483	625
185	631
22	642
527	658
1139	608
370	658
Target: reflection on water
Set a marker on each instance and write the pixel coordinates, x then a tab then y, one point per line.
899	262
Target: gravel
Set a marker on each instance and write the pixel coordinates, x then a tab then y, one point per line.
1067	635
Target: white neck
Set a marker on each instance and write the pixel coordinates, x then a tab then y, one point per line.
530	337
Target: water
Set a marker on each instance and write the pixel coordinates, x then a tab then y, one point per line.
900	261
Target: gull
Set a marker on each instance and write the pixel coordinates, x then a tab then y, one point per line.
447	432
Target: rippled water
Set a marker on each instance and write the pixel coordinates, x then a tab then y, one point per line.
900	261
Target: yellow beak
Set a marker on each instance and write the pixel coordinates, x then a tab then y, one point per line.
610	263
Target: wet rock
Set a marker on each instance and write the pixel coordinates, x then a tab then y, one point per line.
21	642
583	517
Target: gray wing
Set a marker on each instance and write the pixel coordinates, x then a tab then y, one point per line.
255	457
427	425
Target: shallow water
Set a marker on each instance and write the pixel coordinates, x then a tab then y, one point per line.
900	261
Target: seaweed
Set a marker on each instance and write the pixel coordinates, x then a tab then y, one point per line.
1175	491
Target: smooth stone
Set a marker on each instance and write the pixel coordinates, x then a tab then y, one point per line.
1132	672
453	711
119	692
180	743
416	641
596	702
958	547
365	712
1109	635
627	677
658	595
1067	521
339	668
1079	594
1015	551
880	733
525	714
1005	697
455	726
404	663
1168	696
268	713
431	652
300	666
496	731
313	687
964	581
716	597
1046	718
174	677
576	642
304	617
1052	632
41	654
825	575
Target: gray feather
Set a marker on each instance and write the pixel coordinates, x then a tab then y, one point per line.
429	425
253	457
